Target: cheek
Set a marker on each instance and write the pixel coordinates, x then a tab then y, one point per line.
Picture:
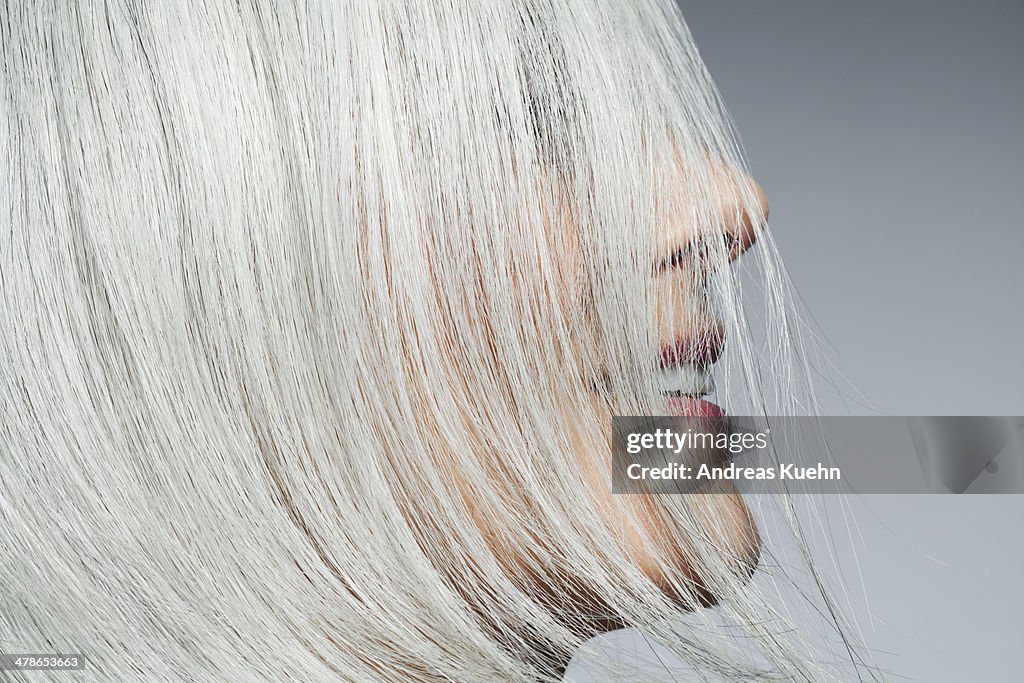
565	260
565	289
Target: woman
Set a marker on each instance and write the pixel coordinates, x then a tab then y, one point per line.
315	321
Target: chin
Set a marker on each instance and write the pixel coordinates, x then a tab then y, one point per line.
675	569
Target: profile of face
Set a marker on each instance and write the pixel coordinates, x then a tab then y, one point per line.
708	215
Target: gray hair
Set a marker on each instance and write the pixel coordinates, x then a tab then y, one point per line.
303	311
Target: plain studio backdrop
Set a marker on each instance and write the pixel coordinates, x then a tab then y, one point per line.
890	139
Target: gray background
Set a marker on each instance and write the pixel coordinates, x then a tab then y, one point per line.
889	137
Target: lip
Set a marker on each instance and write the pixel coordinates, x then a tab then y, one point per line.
702	349
688	406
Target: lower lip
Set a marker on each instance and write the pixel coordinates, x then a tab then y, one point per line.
693	407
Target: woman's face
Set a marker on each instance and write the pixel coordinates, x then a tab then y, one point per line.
691	340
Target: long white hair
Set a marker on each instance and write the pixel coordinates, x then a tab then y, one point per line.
304	313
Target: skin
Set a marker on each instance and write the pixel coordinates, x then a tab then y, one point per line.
642	532
648	539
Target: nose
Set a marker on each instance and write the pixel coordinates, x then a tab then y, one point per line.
715	207
744	213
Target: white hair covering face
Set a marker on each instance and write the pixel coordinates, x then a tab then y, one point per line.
303	308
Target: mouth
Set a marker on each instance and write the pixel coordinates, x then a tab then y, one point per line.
685	374
685	380
684	387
